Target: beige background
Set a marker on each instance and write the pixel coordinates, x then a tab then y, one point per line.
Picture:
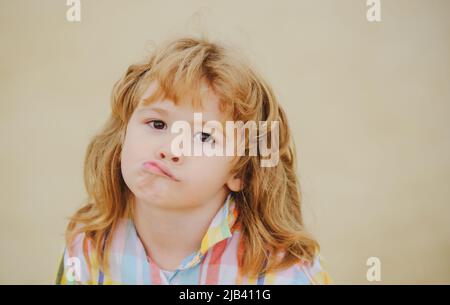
369	104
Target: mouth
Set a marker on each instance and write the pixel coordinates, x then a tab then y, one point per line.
159	168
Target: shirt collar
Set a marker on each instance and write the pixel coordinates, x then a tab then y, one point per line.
221	225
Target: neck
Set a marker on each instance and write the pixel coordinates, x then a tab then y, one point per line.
169	235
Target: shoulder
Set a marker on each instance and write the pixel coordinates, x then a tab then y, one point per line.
300	274
75	265
79	264
315	273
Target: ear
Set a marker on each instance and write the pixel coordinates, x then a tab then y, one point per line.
235	184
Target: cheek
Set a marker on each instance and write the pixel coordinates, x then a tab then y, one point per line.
127	156
211	170
126	165
137	145
134	151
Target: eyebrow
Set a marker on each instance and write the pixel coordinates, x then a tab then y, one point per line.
152	108
165	112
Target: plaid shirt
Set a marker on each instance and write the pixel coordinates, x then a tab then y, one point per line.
216	262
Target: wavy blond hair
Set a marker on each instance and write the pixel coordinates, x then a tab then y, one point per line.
269	205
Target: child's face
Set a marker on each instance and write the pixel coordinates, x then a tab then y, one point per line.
196	179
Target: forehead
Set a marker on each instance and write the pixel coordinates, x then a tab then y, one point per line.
205	101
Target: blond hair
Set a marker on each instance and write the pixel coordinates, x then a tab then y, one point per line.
269	205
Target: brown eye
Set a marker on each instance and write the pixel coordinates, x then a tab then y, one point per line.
157	124
204	137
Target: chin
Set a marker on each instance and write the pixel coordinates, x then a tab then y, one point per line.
157	195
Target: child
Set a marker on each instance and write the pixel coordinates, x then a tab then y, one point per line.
155	216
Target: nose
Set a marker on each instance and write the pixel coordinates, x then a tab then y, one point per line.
173	159
165	153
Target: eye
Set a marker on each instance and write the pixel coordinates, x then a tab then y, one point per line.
204	137
157	124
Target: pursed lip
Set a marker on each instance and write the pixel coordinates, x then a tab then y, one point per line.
159	168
